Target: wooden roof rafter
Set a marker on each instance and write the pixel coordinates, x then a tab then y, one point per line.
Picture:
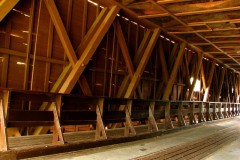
190	28
148	23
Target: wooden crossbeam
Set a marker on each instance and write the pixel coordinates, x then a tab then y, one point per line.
209	81
174	72
147	53
6	6
63	36
143	45
126	56
124	48
89	51
93	29
67	70
136	61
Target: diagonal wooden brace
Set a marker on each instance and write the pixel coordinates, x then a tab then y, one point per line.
57	131
152	125
100	130
128	125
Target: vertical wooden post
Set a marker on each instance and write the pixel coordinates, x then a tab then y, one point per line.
229	109
152	125
220	115
237	108
128	125
168	122
215	116
181	121
201	117
225	113
100	130
208	114
3	132
192	119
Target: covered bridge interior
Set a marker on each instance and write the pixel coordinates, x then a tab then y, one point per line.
124	69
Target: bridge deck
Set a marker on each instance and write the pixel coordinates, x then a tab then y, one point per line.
188	140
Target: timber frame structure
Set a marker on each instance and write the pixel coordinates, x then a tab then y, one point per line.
171	51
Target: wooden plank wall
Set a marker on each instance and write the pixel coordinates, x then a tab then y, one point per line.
32	56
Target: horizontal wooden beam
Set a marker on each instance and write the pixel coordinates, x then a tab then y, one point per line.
224	36
215	42
207	11
213	22
39	58
205	30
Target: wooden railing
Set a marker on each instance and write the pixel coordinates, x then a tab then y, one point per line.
20	109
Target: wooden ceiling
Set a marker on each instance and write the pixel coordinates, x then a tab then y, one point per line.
210	26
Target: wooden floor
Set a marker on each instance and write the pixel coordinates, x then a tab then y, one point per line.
30	146
191	143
